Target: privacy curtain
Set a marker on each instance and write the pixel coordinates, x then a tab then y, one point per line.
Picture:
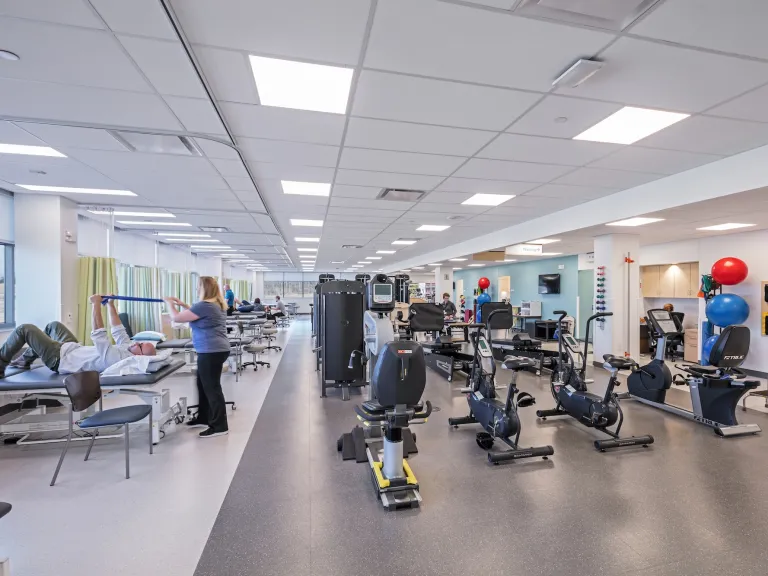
141	282
95	276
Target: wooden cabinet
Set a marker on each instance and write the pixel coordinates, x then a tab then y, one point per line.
649	277
670	280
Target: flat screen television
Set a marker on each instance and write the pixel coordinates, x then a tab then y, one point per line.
549	284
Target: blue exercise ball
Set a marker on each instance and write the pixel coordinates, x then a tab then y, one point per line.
481	299
727	309
706	347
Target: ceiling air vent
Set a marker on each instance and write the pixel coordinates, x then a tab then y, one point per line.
606	14
400	195
156	143
214	229
354	246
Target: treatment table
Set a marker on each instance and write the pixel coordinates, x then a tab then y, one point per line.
43	384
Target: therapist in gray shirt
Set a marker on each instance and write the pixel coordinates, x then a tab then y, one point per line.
208	320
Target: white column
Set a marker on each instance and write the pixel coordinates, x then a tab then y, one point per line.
46	260
258	285
444	283
620	333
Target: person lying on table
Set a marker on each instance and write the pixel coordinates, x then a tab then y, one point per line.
257	305
59	350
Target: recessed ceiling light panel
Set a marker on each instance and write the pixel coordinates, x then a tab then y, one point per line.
639	221
629	125
140	214
726	226
148	223
305	188
404	242
304	222
431	228
71	190
30	150
544	241
487	199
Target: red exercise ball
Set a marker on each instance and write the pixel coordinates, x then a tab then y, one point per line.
483	283
729	271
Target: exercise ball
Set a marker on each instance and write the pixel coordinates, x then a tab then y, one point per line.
480	300
706	347
483	283
727	309
729	271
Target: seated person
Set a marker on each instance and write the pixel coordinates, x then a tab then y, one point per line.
257	305
274	314
229	296
449	308
59	350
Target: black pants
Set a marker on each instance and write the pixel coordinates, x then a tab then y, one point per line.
275	316
211	407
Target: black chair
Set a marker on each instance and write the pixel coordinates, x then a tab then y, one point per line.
84	391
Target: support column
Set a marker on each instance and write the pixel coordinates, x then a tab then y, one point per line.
46	260
620	333
443	283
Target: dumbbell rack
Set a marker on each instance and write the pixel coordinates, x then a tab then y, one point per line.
600	291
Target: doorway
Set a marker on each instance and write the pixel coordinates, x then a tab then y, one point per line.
586	300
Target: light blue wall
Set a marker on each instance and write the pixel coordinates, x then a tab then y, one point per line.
524	281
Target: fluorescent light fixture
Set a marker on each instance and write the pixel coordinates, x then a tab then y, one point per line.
457	268
578	73
182	235
435	264
431	228
365	262
189	240
551	253
30	150
385	251
544	241
302	86
306	249
142	214
214	248
457	260
338	262
301	222
476	265
151	223
305	188
404	242
629	125
306	239
639	221
405	270
70	190
373	257
355	266
727	226
487	199
418	267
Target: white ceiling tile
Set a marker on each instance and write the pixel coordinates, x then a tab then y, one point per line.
475	186
607	178
654	75
387	135
166	65
364	211
230	167
284	124
446	197
420	37
73	137
653	160
396	97
295	172
443	211
404	162
72	12
240	182
214	149
141	17
288	152
546	150
750	106
330	31
191	202
578	115
256	206
387	180
228	73
564	191
12	134
24	99
516	171
504	4
91	57
58	172
355	191
709	136
736	26
197	115
377	208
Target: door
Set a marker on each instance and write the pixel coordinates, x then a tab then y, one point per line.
586	300
504	285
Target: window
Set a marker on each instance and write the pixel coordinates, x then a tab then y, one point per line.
290	284
6	285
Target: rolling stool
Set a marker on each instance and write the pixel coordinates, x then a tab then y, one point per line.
269	334
255	349
5	563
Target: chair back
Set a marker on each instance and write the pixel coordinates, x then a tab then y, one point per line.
731	347
84	389
678	318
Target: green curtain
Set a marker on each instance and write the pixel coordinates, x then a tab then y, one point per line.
95	276
141	282
242	289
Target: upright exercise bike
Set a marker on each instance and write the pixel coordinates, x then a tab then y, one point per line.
572	398
500	420
715	390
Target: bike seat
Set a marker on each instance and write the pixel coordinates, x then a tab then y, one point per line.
619	362
517	363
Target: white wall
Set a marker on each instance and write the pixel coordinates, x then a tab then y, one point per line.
587	261
670	253
6	217
688	306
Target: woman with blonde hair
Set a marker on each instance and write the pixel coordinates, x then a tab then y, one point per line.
208	321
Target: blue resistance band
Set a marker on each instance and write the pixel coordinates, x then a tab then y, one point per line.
106	299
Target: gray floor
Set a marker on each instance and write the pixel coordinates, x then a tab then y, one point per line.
691	504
